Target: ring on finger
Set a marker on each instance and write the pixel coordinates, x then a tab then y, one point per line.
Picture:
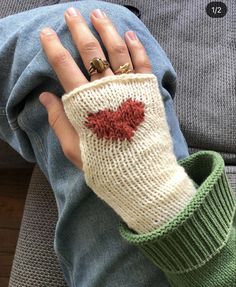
97	65
123	69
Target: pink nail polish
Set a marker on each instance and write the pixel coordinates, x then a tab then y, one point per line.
99	14
72	12
47	31
132	35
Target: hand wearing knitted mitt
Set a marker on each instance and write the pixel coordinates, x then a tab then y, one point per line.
126	149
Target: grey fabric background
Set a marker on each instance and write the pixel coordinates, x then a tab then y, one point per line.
35	263
15	6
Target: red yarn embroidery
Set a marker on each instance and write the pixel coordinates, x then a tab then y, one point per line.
120	124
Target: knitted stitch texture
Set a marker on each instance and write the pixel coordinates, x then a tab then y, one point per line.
197	247
127	151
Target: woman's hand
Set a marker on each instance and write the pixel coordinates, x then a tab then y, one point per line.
69	74
115	128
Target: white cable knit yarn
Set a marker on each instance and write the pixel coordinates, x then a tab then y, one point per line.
139	178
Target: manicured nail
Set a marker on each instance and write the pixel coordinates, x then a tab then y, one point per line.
47	31
99	14
132	35
72	12
45	99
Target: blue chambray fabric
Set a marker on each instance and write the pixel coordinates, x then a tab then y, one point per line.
87	243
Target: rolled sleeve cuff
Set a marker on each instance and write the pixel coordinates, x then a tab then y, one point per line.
199	231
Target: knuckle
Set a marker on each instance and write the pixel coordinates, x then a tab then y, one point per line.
54	118
119	48
60	58
104	25
146	64
139	47
89	46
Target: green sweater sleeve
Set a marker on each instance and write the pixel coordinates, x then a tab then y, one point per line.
198	247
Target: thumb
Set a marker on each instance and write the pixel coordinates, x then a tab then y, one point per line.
65	132
47	99
56	114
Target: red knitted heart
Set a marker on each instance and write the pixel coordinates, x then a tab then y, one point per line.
117	125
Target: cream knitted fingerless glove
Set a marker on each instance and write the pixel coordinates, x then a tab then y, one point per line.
126	149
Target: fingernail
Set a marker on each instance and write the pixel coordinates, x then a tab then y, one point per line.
99	14
47	31
45	99
132	35
72	12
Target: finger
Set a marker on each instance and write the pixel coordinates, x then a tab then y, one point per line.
114	44
68	72
87	45
63	129
138	54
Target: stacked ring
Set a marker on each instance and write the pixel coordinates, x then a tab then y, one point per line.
124	69
97	65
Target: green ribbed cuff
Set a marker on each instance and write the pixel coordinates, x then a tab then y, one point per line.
200	230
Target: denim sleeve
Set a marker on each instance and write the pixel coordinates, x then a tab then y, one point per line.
80	238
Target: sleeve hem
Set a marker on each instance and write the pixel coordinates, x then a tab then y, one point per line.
199	231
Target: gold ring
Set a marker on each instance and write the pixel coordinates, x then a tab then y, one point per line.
97	65
124	69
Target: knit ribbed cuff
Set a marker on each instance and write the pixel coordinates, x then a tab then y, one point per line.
199	231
